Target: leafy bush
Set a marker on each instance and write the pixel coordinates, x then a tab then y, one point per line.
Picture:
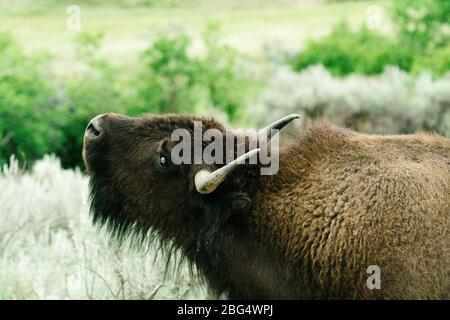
29	108
392	102
423	24
171	76
181	81
344	52
437	61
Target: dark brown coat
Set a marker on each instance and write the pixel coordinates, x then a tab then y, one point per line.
341	201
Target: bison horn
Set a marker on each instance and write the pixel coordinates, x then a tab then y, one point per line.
206	182
266	133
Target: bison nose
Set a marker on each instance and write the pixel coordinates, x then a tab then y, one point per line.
94	128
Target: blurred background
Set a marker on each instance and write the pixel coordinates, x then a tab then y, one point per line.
374	66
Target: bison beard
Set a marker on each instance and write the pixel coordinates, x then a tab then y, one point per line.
210	228
342	201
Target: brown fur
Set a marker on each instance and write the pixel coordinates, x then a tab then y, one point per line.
340	202
352	200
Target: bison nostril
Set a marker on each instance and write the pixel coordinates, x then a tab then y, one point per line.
93	129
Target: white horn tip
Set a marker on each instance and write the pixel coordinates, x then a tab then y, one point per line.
199	179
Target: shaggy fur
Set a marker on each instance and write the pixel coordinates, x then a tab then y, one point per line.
341	201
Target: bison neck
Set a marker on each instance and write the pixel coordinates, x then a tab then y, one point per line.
240	265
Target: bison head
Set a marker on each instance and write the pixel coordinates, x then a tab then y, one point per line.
136	189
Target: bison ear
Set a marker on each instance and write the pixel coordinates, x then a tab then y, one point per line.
163	146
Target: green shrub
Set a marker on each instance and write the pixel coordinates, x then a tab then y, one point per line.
436	61
170	78
423	24
344	52
227	85
29	112
421	43
176	80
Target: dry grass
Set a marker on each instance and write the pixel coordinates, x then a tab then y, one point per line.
50	250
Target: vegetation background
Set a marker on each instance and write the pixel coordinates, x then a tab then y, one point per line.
375	66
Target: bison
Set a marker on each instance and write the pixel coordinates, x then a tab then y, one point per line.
347	216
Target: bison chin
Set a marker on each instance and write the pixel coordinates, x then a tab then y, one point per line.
108	210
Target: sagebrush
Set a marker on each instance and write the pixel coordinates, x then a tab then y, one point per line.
392	102
50	250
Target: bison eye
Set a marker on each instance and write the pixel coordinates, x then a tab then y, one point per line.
162	161
162	157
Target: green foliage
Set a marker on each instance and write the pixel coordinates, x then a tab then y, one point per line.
28	105
87	45
421	43
177	80
423	24
227	87
344	52
436	62
170	78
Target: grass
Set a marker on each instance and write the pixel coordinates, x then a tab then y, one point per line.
129	30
